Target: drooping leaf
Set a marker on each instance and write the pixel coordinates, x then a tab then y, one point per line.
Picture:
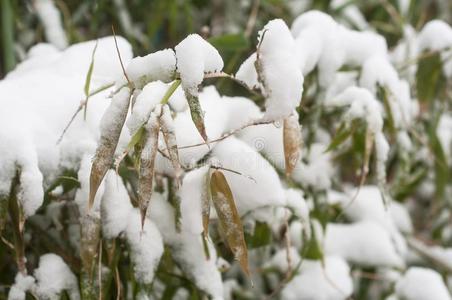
174	200
169	134
385	95
292	142
341	135
229	218
197	115
111	126
369	140
428	77
88	80
313	249
147	160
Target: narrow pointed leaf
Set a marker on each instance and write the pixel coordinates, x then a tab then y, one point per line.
205	204
147	160
369	139
88	79
229	218
169	134
197	115
174	200
341	135
111	126
292	142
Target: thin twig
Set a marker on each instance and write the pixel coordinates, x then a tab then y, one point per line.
119	56
80	107
224	136
252	18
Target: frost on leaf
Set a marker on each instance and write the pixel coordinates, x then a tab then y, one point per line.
111	126
147	161
292	142
229	218
197	115
169	134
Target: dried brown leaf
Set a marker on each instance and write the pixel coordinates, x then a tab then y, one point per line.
147	160
197	115
111	126
169	134
205	204
229	218
292	142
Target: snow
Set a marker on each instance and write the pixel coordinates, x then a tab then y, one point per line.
364	243
444	134
81	196
318	171
22	284
330	45
435	35
280	262
283	81
422	284
160	65
215	121
187	248
193	186
29	126
51	20
53	277
264	190
315	282
146	247
195	57
115	206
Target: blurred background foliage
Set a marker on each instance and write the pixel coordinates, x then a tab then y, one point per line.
232	26
150	25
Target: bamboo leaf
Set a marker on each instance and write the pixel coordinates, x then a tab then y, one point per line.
197	115
230	42
174	200
147	160
429	73
369	139
169	135
111	126
88	80
229	218
341	135
292	142
206	197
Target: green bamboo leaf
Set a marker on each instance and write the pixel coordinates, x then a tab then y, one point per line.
428	77
230	42
369	141
262	236
385	94
229	218
341	135
88	80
